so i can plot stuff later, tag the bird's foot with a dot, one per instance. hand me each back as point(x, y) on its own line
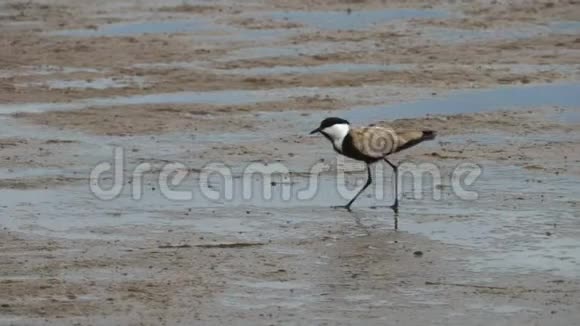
point(347, 207)
point(395, 208)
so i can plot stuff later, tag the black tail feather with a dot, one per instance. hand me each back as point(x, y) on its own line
point(429, 134)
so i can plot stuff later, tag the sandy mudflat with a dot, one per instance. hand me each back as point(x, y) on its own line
point(237, 84)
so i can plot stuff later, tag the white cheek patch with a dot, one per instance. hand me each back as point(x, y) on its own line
point(337, 131)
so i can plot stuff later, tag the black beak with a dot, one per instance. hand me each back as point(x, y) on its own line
point(315, 131)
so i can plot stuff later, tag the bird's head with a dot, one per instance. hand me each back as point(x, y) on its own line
point(333, 128)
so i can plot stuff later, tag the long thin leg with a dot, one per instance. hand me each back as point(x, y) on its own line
point(395, 206)
point(369, 181)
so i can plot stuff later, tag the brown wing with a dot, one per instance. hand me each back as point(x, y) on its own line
point(374, 142)
point(409, 138)
point(378, 142)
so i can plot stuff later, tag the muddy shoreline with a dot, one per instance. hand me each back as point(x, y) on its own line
point(242, 83)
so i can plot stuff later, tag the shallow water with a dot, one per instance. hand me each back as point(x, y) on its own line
point(513, 235)
point(563, 95)
point(224, 97)
point(564, 27)
point(98, 83)
point(504, 235)
point(456, 35)
point(510, 97)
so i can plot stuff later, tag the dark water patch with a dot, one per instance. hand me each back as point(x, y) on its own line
point(457, 35)
point(563, 95)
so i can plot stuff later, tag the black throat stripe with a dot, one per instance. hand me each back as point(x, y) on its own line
point(349, 150)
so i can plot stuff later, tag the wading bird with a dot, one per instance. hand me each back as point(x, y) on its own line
point(370, 144)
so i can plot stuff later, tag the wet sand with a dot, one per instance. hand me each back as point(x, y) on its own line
point(244, 83)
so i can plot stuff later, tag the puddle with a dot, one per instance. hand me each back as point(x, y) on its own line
point(225, 97)
point(342, 20)
point(325, 68)
point(506, 236)
point(76, 223)
point(503, 237)
point(456, 35)
point(563, 95)
point(558, 256)
point(501, 309)
point(288, 294)
point(74, 212)
point(565, 27)
point(145, 27)
point(98, 83)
